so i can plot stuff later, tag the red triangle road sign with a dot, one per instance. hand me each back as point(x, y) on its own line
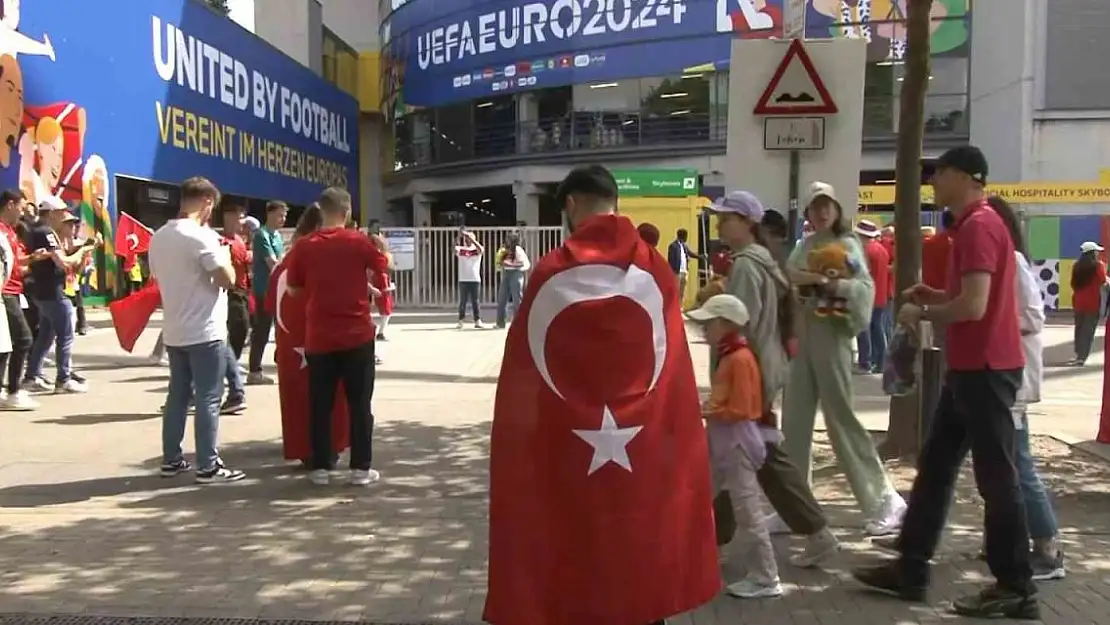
point(796, 88)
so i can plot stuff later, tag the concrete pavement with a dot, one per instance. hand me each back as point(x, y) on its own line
point(86, 528)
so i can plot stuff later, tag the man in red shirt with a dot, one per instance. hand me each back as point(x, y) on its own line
point(12, 396)
point(238, 298)
point(872, 341)
point(985, 360)
point(331, 267)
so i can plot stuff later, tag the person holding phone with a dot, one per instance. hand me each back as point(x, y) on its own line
point(56, 313)
point(469, 253)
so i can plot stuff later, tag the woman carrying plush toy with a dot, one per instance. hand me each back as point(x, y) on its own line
point(822, 371)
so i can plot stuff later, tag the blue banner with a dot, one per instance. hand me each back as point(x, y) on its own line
point(449, 50)
point(162, 90)
point(441, 51)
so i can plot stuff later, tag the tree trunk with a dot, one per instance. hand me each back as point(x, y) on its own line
point(903, 436)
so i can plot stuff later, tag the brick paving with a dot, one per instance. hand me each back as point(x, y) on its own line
point(87, 529)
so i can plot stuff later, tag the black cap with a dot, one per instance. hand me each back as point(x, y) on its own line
point(592, 180)
point(968, 159)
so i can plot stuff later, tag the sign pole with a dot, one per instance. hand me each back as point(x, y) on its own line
point(792, 212)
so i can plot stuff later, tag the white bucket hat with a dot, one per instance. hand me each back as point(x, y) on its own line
point(722, 306)
point(821, 189)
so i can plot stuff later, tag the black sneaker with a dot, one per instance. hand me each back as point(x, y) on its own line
point(175, 468)
point(998, 602)
point(888, 578)
point(381, 337)
point(233, 406)
point(1047, 568)
point(219, 474)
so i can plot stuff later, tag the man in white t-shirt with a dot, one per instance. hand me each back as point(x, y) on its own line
point(193, 270)
point(469, 253)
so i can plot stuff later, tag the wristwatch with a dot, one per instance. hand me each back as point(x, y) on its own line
point(824, 281)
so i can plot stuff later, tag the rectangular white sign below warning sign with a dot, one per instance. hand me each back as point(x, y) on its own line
point(796, 88)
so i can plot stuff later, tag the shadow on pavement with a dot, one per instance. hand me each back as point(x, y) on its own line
point(99, 419)
point(412, 548)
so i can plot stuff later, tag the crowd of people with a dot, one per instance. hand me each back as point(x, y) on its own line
point(215, 289)
point(624, 510)
point(44, 264)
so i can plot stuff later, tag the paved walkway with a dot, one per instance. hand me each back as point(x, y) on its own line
point(86, 527)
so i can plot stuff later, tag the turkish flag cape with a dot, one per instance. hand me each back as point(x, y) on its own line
point(131, 314)
point(621, 533)
point(1104, 420)
point(132, 238)
point(289, 327)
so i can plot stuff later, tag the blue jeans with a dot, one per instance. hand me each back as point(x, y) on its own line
point(872, 341)
point(1039, 511)
point(509, 294)
point(233, 376)
point(197, 375)
point(55, 328)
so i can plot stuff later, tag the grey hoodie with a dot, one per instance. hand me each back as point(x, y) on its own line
point(758, 281)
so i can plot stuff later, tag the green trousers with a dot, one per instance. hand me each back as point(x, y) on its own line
point(822, 373)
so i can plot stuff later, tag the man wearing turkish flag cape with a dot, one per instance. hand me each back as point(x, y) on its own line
point(600, 496)
point(288, 311)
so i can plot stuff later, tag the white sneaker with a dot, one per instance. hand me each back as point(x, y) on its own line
point(889, 520)
point(459, 325)
point(20, 401)
point(259, 379)
point(748, 588)
point(72, 387)
point(319, 477)
point(819, 548)
point(38, 385)
point(364, 478)
point(159, 360)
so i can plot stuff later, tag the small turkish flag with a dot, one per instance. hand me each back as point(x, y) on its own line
point(131, 314)
point(600, 496)
point(132, 238)
point(289, 315)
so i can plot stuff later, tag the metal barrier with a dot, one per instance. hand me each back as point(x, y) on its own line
point(426, 268)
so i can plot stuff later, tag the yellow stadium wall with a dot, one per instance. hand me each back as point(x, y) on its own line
point(667, 214)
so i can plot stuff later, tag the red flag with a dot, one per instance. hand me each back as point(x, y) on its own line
point(131, 314)
point(600, 496)
point(132, 238)
point(289, 328)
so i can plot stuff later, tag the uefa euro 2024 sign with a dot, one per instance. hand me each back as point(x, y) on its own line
point(537, 23)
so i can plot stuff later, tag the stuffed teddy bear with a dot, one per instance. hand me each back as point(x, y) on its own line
point(834, 262)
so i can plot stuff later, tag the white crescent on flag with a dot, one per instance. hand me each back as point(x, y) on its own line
point(282, 288)
point(586, 283)
point(132, 242)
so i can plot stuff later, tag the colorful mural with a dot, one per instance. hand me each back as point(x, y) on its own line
point(880, 22)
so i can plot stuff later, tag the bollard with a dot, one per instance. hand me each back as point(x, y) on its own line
point(930, 385)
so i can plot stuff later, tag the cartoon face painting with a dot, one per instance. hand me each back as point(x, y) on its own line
point(50, 144)
point(11, 107)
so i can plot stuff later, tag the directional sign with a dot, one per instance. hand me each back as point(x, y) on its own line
point(796, 88)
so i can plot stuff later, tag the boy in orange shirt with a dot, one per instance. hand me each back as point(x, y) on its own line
point(737, 440)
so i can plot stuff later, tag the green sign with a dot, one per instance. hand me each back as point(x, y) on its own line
point(656, 182)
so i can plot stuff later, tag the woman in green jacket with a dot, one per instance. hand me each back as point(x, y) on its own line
point(833, 312)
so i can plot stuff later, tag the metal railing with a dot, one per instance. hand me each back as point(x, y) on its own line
point(946, 116)
point(427, 276)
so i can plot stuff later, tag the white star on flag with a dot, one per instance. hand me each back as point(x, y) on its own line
point(300, 352)
point(610, 442)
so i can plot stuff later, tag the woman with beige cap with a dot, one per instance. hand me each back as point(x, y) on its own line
point(821, 373)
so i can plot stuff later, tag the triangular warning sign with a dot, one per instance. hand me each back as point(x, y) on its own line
point(796, 88)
